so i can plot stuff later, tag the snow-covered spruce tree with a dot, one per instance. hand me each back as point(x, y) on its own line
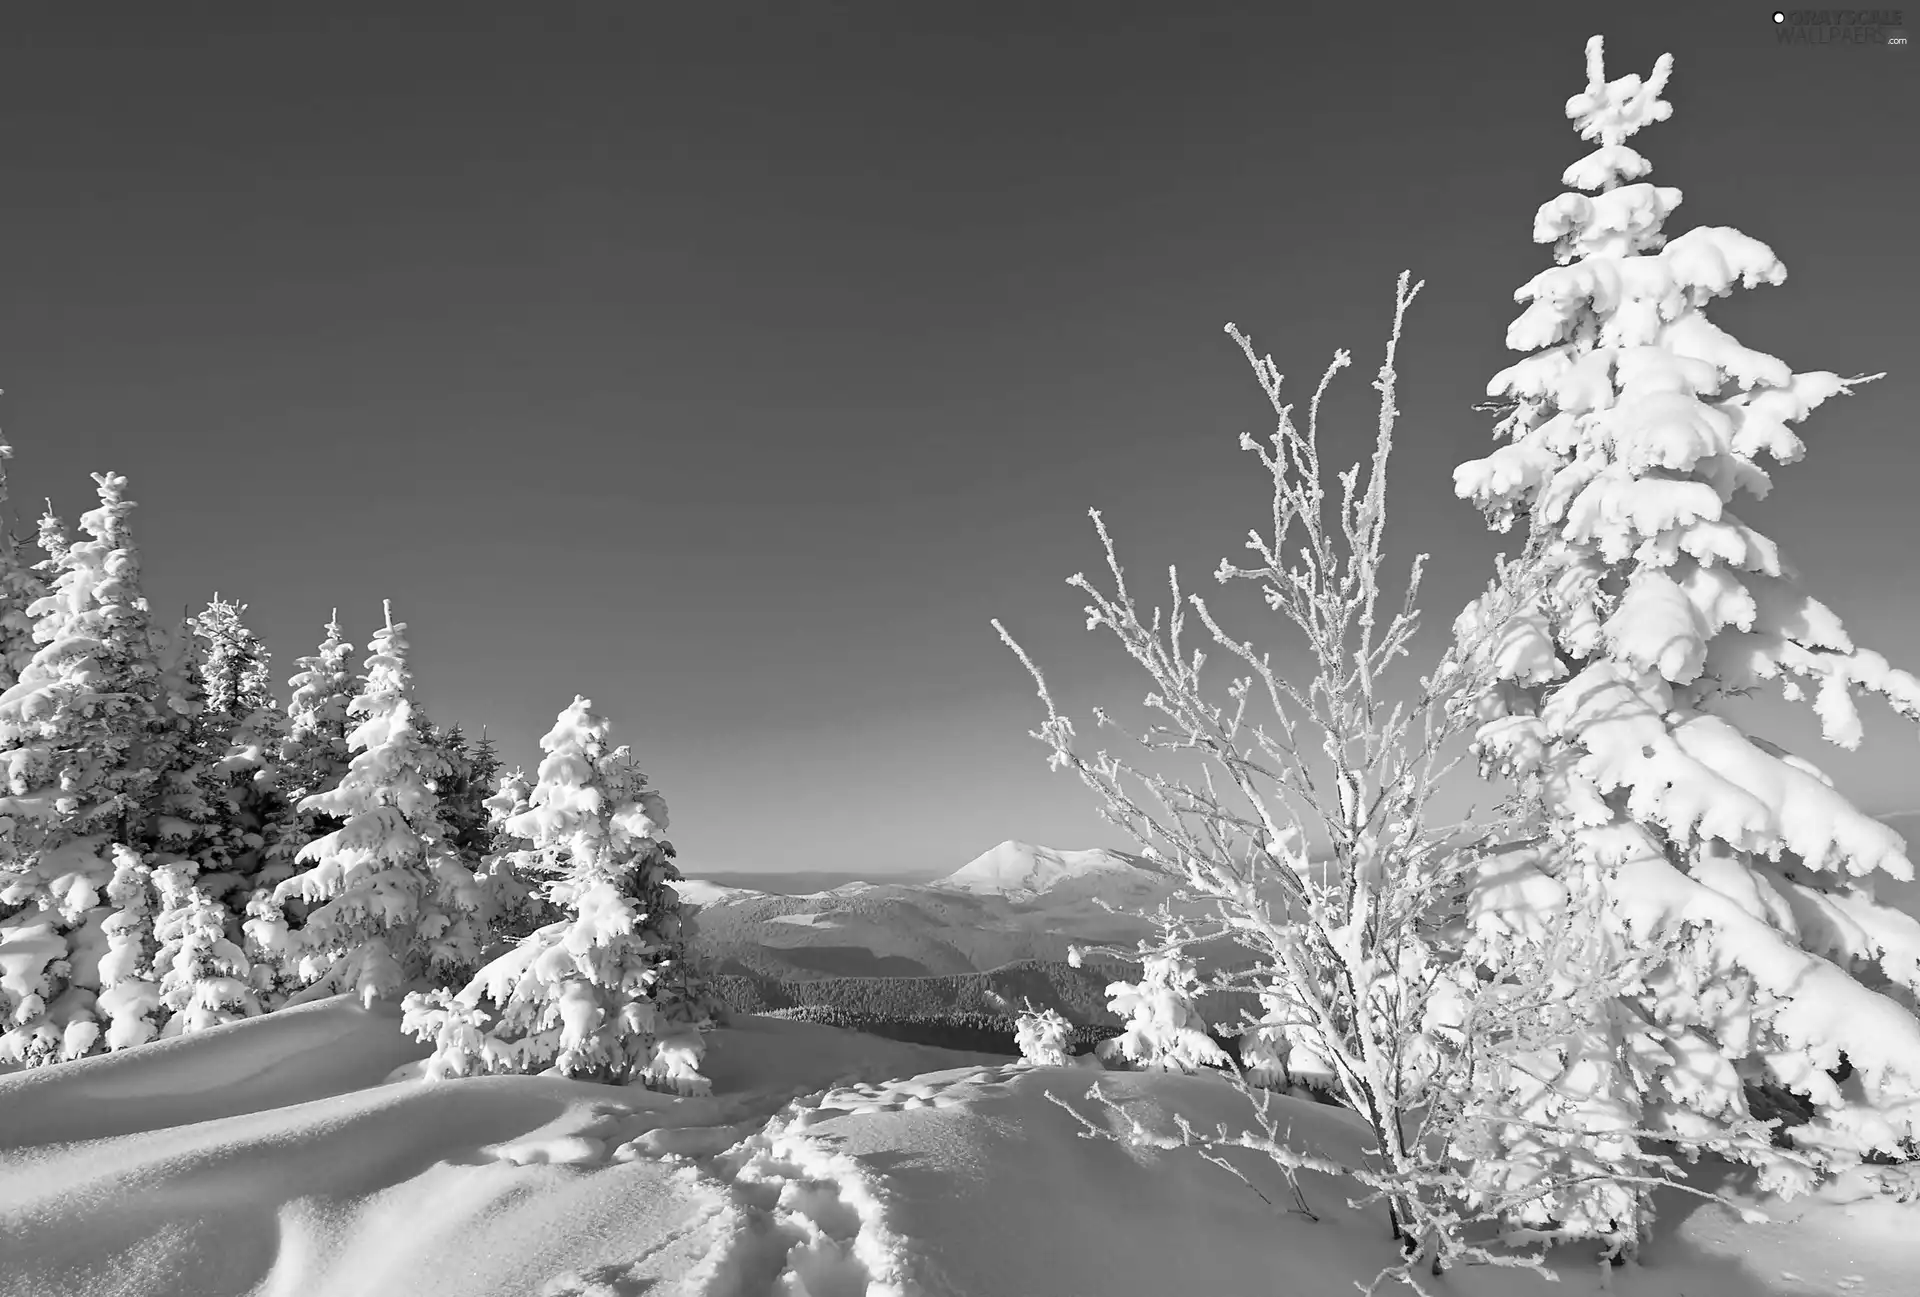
point(469, 784)
point(472, 781)
point(129, 999)
point(463, 797)
point(474, 813)
point(311, 757)
point(585, 996)
point(36, 965)
point(75, 732)
point(314, 754)
point(178, 837)
point(1164, 1031)
point(516, 905)
point(204, 978)
point(240, 732)
point(511, 798)
point(1633, 424)
point(1277, 1054)
point(234, 663)
point(181, 835)
point(1357, 954)
point(252, 804)
point(20, 586)
point(390, 907)
point(201, 850)
point(683, 987)
point(1041, 1035)
point(486, 773)
point(183, 820)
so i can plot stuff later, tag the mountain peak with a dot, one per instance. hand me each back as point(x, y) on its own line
point(1014, 868)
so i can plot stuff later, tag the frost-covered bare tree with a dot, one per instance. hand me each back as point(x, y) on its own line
point(1363, 955)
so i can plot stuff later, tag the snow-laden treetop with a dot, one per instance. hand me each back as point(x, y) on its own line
point(1636, 420)
point(566, 807)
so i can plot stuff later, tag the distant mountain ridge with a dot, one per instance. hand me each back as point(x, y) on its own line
point(1015, 902)
point(802, 882)
point(978, 940)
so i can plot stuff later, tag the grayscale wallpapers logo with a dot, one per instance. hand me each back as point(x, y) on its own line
point(1841, 26)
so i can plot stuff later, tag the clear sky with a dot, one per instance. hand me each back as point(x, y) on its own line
point(734, 364)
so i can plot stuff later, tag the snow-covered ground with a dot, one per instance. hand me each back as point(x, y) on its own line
point(275, 1156)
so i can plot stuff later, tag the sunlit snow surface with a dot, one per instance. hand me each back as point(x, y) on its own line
point(273, 1156)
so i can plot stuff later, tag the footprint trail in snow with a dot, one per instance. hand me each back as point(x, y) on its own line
point(788, 1215)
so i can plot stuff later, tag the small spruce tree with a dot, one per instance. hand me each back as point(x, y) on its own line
point(204, 978)
point(471, 781)
point(595, 996)
point(235, 663)
point(1041, 1035)
point(129, 995)
point(1164, 1030)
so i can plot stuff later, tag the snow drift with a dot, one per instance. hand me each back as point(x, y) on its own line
point(273, 1157)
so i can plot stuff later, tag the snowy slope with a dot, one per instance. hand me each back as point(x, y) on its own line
point(267, 1158)
point(698, 891)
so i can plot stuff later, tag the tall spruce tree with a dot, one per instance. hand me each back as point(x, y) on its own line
point(20, 587)
point(313, 754)
point(240, 735)
point(183, 820)
point(390, 906)
point(75, 737)
point(1633, 425)
point(310, 756)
